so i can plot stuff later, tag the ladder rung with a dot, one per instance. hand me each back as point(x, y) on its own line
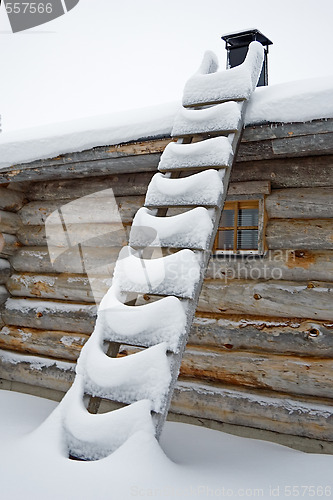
point(221, 119)
point(149, 324)
point(143, 375)
point(203, 188)
point(175, 274)
point(190, 229)
point(97, 436)
point(211, 153)
point(212, 87)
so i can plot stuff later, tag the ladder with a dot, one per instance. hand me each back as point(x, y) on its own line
point(169, 248)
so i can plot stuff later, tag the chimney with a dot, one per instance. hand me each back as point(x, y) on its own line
point(237, 45)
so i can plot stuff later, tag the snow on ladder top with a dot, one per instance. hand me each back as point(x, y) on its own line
point(209, 87)
point(215, 152)
point(143, 375)
point(204, 188)
point(223, 118)
point(145, 325)
point(190, 229)
point(175, 274)
point(92, 437)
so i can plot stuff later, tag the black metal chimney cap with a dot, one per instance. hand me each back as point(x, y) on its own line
point(244, 38)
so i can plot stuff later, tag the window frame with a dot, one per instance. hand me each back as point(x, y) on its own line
point(237, 203)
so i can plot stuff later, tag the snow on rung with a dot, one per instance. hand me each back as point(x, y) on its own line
point(175, 274)
point(204, 188)
point(233, 84)
point(222, 118)
point(92, 437)
point(215, 152)
point(143, 375)
point(145, 325)
point(190, 229)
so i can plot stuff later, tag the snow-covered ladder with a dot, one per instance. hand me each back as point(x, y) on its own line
point(208, 128)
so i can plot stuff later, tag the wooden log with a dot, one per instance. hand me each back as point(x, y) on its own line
point(32, 236)
point(287, 147)
point(263, 335)
point(112, 152)
point(268, 298)
point(248, 188)
point(260, 409)
point(11, 201)
point(91, 235)
point(300, 234)
point(134, 184)
point(9, 244)
point(314, 171)
point(4, 271)
point(54, 344)
point(36, 213)
point(275, 372)
point(69, 287)
point(255, 133)
point(294, 265)
point(3, 294)
point(99, 261)
point(118, 165)
point(300, 203)
point(9, 222)
point(37, 371)
point(49, 315)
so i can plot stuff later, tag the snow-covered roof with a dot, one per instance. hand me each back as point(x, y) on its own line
point(298, 101)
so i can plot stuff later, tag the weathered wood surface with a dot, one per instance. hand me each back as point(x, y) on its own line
point(254, 133)
point(116, 165)
point(295, 265)
point(35, 213)
point(268, 298)
point(301, 416)
point(3, 294)
point(134, 184)
point(68, 287)
point(49, 315)
point(249, 188)
point(91, 235)
point(54, 344)
point(9, 222)
point(275, 372)
point(99, 261)
point(264, 335)
point(314, 171)
point(41, 372)
point(304, 145)
point(275, 412)
point(4, 271)
point(11, 201)
point(315, 234)
point(300, 203)
point(9, 244)
point(112, 152)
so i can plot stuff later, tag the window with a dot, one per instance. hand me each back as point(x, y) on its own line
point(241, 228)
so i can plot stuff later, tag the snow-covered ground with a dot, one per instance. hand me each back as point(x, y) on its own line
point(297, 101)
point(192, 462)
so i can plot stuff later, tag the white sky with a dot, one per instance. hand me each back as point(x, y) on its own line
point(109, 55)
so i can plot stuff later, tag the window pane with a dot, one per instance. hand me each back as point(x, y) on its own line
point(247, 239)
point(227, 219)
point(225, 240)
point(248, 217)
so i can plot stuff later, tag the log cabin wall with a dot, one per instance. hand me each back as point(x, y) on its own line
point(260, 354)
